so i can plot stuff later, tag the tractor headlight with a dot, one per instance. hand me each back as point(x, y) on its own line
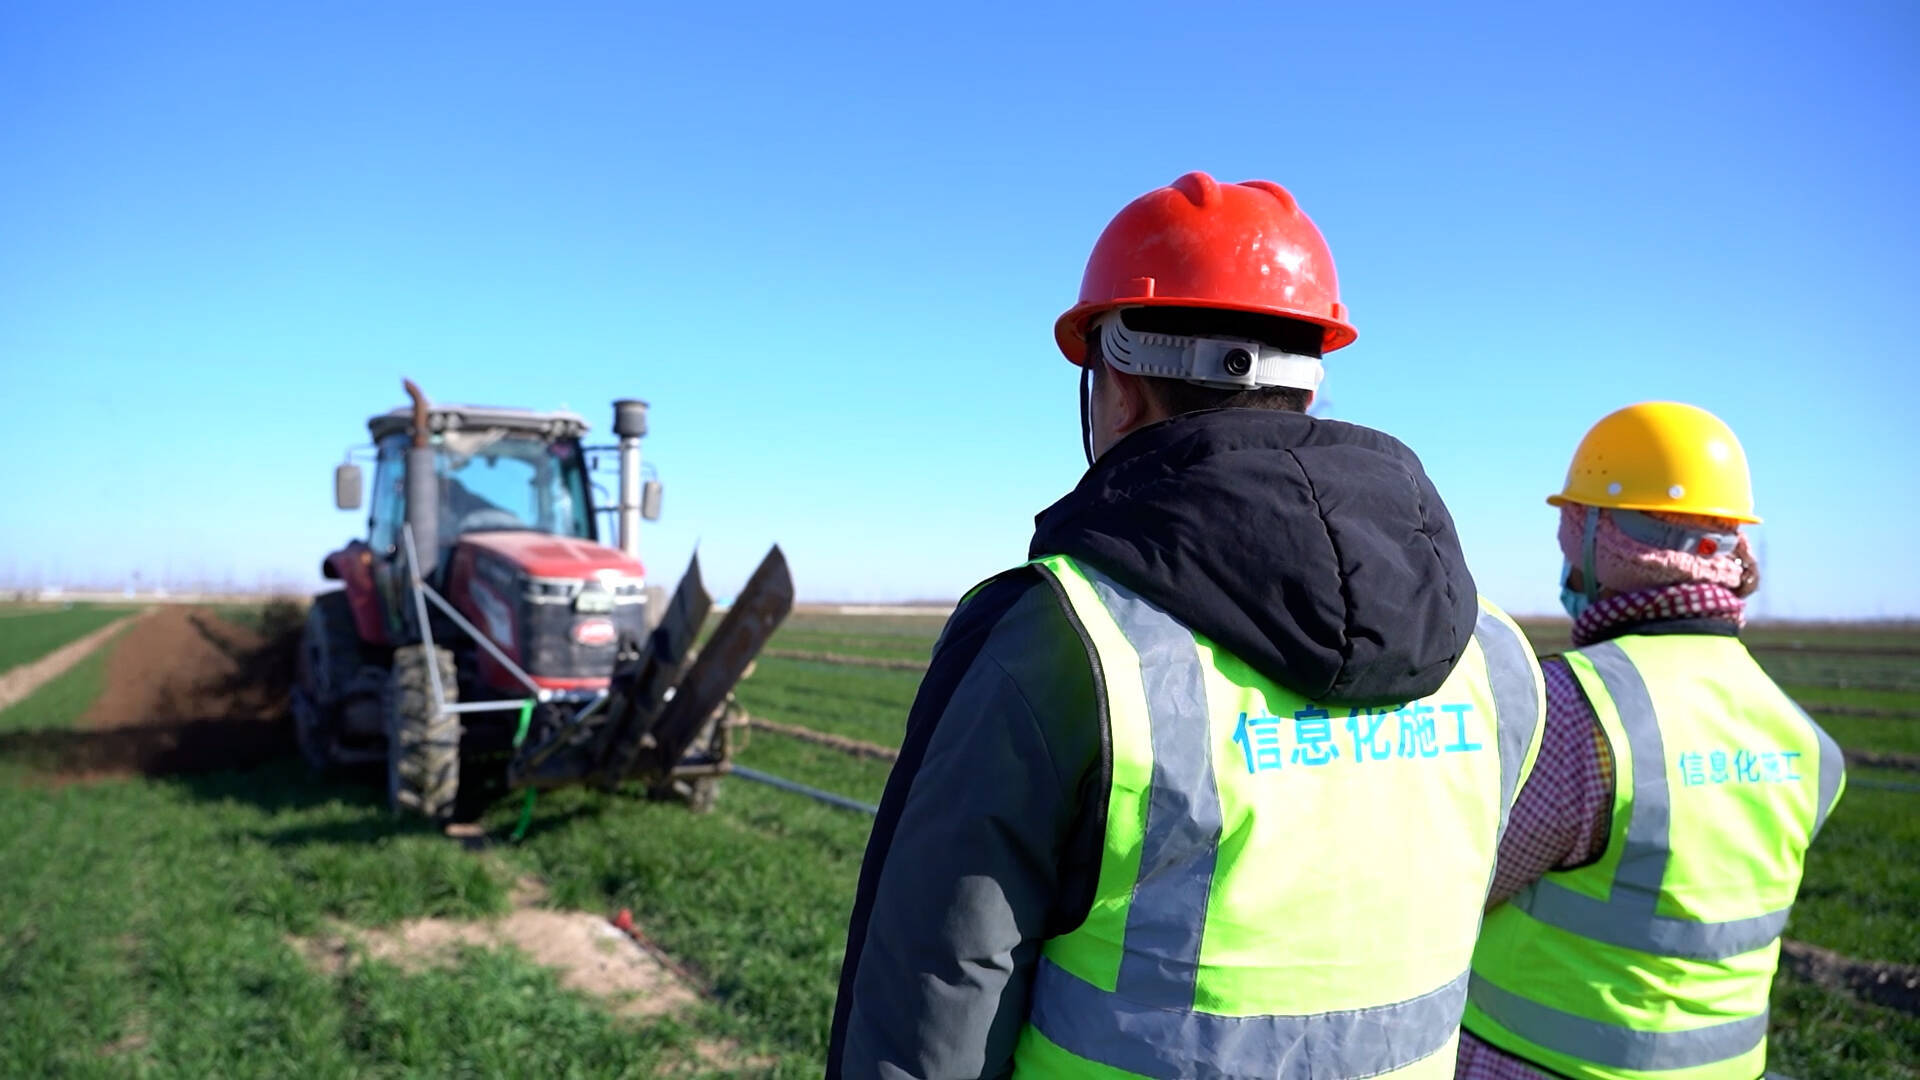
point(626, 589)
point(551, 590)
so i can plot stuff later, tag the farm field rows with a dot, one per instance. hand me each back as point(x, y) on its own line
point(159, 920)
point(30, 632)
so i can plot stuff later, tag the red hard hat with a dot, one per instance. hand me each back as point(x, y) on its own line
point(1201, 243)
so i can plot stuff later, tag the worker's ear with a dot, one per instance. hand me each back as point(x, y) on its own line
point(1133, 406)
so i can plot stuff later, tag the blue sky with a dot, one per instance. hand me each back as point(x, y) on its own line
point(828, 245)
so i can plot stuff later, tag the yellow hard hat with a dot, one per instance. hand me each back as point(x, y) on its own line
point(1661, 455)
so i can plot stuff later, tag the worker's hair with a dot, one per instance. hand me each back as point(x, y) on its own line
point(1177, 396)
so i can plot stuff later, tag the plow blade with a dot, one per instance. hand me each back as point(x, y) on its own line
point(703, 692)
point(643, 682)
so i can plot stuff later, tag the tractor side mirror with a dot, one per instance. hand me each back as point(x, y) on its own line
point(650, 500)
point(346, 486)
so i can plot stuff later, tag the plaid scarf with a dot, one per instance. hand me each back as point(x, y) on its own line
point(1611, 617)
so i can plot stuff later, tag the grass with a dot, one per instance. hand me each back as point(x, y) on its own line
point(1818, 1034)
point(818, 766)
point(144, 927)
point(1865, 635)
point(61, 701)
point(32, 635)
point(1812, 697)
point(921, 627)
point(1863, 875)
point(1844, 672)
point(879, 646)
point(144, 924)
point(753, 897)
point(862, 703)
point(1870, 733)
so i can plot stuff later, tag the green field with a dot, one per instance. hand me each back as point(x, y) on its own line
point(30, 632)
point(60, 701)
point(152, 926)
point(863, 703)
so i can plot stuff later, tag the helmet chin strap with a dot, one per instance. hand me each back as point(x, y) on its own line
point(1590, 582)
point(1086, 412)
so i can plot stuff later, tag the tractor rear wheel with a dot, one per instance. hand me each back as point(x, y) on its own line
point(328, 660)
point(423, 744)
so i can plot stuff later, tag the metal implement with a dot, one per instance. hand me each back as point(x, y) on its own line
point(707, 686)
point(644, 677)
point(783, 784)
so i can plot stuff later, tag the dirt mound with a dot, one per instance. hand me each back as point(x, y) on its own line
point(589, 954)
point(185, 691)
point(841, 743)
point(1897, 986)
point(182, 666)
point(1887, 759)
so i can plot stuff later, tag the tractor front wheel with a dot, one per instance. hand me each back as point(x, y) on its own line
point(423, 743)
point(328, 659)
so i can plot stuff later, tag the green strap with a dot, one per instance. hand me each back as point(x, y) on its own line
point(526, 718)
point(526, 817)
point(520, 736)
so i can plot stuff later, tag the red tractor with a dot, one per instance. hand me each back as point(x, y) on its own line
point(482, 626)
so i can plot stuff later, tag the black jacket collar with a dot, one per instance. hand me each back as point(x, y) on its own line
point(1316, 551)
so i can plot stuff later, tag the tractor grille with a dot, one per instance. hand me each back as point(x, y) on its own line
point(553, 648)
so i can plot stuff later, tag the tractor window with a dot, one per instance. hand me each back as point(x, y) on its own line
point(493, 480)
point(387, 508)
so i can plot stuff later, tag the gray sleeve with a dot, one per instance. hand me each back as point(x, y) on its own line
point(973, 870)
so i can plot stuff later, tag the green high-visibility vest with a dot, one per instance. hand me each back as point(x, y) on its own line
point(1656, 960)
point(1286, 890)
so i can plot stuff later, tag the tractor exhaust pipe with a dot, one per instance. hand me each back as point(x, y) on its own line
point(423, 487)
point(630, 423)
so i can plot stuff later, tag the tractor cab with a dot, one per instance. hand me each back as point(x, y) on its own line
point(504, 494)
point(494, 470)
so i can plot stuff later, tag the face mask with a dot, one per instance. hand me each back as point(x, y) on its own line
point(1576, 601)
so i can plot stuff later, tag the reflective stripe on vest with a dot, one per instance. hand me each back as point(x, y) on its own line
point(1599, 971)
point(1517, 693)
point(1627, 917)
point(1148, 1025)
point(1180, 1042)
point(1183, 810)
point(1611, 1044)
